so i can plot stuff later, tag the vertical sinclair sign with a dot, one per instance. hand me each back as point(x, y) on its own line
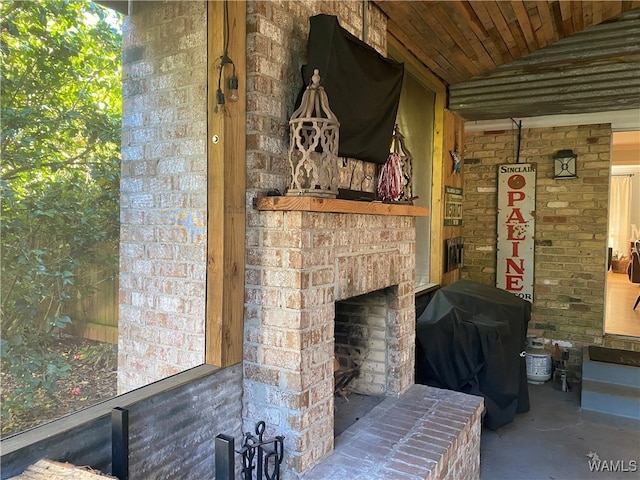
point(516, 228)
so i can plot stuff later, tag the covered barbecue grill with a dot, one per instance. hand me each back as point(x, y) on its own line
point(470, 338)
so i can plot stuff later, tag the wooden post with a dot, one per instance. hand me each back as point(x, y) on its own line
point(226, 149)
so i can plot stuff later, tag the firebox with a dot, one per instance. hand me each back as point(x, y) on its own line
point(361, 344)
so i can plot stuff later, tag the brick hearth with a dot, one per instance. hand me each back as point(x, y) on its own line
point(426, 433)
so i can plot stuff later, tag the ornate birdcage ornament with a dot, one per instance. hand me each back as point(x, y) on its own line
point(313, 146)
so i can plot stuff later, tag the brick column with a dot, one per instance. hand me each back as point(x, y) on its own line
point(298, 265)
point(163, 206)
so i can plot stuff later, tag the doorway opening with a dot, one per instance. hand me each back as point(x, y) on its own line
point(624, 229)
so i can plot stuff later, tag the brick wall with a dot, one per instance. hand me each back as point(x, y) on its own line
point(276, 51)
point(164, 192)
point(571, 225)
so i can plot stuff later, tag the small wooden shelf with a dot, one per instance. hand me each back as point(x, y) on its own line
point(333, 205)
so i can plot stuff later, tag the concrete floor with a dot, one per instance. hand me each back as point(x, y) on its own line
point(555, 438)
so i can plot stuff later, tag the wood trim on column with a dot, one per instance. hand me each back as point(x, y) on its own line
point(226, 148)
point(436, 263)
point(452, 135)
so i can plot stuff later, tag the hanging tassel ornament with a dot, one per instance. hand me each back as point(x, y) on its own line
point(390, 179)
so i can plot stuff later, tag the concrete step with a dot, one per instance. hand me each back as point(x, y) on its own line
point(610, 388)
point(609, 372)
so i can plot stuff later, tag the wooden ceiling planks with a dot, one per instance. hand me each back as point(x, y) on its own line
point(465, 13)
point(411, 29)
point(536, 23)
point(525, 25)
point(587, 15)
point(504, 31)
point(611, 8)
point(455, 58)
point(597, 13)
point(509, 15)
point(462, 39)
point(458, 40)
point(577, 17)
point(400, 33)
point(548, 21)
point(566, 18)
point(493, 31)
point(465, 39)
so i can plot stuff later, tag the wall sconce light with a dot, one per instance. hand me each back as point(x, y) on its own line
point(233, 88)
point(564, 164)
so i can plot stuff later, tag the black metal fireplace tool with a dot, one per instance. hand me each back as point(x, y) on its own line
point(259, 456)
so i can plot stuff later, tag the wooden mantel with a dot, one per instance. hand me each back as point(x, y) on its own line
point(333, 205)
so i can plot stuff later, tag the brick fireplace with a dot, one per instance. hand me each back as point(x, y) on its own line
point(305, 255)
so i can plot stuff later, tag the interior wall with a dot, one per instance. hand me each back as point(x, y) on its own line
point(626, 161)
point(453, 138)
point(635, 201)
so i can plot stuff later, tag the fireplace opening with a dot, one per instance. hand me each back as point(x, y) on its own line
point(360, 356)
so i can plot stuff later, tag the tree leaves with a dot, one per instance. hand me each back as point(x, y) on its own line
point(61, 74)
point(61, 104)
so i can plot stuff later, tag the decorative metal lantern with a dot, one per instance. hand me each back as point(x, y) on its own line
point(313, 146)
point(564, 164)
point(394, 179)
point(399, 147)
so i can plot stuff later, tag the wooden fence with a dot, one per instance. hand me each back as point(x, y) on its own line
point(95, 315)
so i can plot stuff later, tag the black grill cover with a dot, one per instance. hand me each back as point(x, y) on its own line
point(469, 339)
point(363, 88)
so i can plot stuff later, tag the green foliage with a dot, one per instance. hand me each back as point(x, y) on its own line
point(61, 105)
point(99, 355)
